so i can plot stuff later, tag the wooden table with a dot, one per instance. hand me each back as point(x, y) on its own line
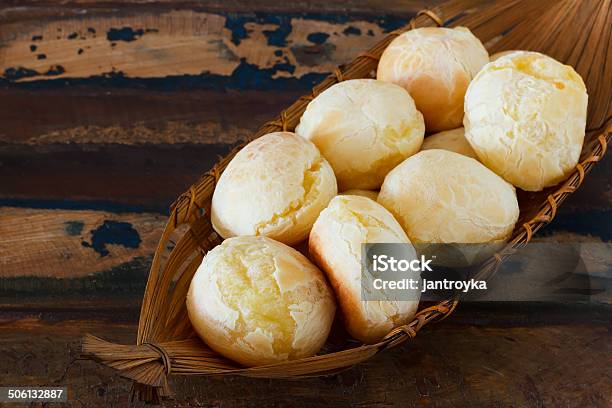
point(521, 355)
point(108, 111)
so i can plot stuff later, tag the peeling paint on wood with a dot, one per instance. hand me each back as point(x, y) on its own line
point(74, 228)
point(213, 46)
point(114, 112)
point(112, 232)
point(50, 253)
point(72, 244)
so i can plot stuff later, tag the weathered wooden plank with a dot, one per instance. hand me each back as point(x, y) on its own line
point(216, 46)
point(57, 170)
point(135, 116)
point(72, 244)
point(558, 266)
point(495, 355)
point(90, 114)
point(57, 152)
point(147, 178)
point(271, 6)
point(122, 281)
point(81, 254)
point(63, 253)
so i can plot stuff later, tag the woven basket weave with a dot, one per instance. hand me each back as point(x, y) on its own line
point(575, 32)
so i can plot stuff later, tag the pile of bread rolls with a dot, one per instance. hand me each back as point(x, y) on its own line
point(517, 120)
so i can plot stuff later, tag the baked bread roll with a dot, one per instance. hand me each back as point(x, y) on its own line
point(364, 128)
point(371, 194)
point(435, 65)
point(451, 140)
point(500, 54)
point(335, 244)
point(442, 197)
point(275, 186)
point(525, 117)
point(257, 301)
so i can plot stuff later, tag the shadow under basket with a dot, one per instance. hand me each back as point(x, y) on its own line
point(574, 32)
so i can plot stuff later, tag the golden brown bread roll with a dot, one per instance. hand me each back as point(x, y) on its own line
point(435, 65)
point(500, 54)
point(451, 140)
point(442, 197)
point(364, 193)
point(364, 128)
point(525, 117)
point(335, 244)
point(257, 301)
point(275, 186)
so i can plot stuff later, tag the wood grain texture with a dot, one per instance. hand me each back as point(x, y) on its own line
point(166, 94)
point(96, 140)
point(60, 243)
point(66, 254)
point(134, 116)
point(176, 43)
point(145, 178)
point(81, 254)
point(132, 142)
point(554, 267)
point(86, 148)
point(495, 355)
point(149, 178)
point(352, 6)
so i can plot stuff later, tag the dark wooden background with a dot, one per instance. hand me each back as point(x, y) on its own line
point(109, 110)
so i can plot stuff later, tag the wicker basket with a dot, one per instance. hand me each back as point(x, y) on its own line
point(166, 342)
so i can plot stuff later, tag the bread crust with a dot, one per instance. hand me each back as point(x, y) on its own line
point(368, 321)
point(258, 301)
point(276, 186)
point(525, 117)
point(435, 65)
point(452, 140)
point(442, 197)
point(364, 128)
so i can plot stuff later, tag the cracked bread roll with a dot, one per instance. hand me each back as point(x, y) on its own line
point(335, 245)
point(372, 194)
point(451, 140)
point(435, 65)
point(525, 117)
point(364, 128)
point(258, 301)
point(442, 197)
point(275, 186)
